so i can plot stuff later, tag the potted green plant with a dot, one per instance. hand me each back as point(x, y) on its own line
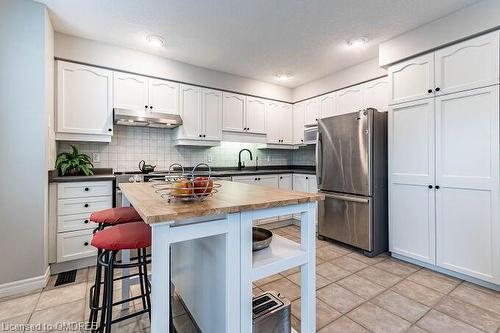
point(74, 164)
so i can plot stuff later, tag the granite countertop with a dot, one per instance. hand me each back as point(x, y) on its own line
point(100, 174)
point(230, 198)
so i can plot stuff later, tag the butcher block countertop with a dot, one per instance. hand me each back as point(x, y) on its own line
point(232, 197)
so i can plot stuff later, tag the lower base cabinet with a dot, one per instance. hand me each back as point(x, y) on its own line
point(75, 245)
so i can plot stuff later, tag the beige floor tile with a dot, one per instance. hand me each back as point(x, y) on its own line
point(339, 298)
point(439, 282)
point(321, 243)
point(13, 324)
point(417, 292)
point(331, 271)
point(341, 248)
point(320, 281)
point(59, 296)
point(397, 267)
point(267, 280)
point(177, 308)
point(367, 260)
point(378, 320)
point(349, 264)
point(437, 322)
point(325, 314)
point(183, 324)
point(482, 289)
point(295, 323)
point(343, 325)
point(64, 313)
point(361, 286)
point(402, 306)
point(256, 291)
point(477, 297)
point(18, 306)
point(328, 253)
point(379, 276)
point(285, 287)
point(290, 271)
point(416, 329)
point(480, 318)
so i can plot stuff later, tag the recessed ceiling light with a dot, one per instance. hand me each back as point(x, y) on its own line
point(283, 76)
point(357, 42)
point(156, 41)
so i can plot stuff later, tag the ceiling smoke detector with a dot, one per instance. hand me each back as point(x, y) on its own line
point(357, 42)
point(156, 41)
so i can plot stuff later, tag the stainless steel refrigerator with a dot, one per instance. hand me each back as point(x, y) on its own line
point(351, 153)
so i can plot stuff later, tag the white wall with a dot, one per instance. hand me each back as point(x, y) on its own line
point(23, 130)
point(469, 21)
point(347, 77)
point(102, 54)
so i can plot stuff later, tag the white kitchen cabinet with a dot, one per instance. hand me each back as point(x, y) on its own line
point(298, 123)
point(376, 94)
point(285, 182)
point(84, 103)
point(75, 245)
point(350, 100)
point(467, 65)
point(255, 115)
point(328, 105)
point(201, 112)
point(304, 183)
point(262, 180)
point(412, 79)
point(130, 91)
point(411, 172)
point(312, 111)
point(233, 112)
point(163, 96)
point(467, 173)
point(279, 116)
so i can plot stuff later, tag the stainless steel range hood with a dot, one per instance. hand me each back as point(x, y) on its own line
point(145, 118)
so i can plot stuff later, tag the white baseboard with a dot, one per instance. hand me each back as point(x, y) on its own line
point(25, 286)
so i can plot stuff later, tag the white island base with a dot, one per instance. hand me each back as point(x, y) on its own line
point(213, 265)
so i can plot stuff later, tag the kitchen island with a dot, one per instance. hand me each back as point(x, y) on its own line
point(213, 264)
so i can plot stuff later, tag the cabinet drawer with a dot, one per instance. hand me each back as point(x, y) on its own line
point(83, 205)
point(74, 222)
point(84, 189)
point(74, 245)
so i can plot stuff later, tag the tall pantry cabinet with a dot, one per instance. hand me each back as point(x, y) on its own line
point(444, 149)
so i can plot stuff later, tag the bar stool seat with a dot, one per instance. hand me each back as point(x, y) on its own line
point(116, 215)
point(129, 236)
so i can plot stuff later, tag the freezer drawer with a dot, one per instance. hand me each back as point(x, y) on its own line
point(347, 219)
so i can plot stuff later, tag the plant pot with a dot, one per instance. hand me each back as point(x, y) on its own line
point(74, 172)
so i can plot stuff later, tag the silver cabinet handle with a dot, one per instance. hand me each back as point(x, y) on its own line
point(346, 198)
point(319, 159)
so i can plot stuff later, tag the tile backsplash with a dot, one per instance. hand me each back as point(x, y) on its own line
point(129, 145)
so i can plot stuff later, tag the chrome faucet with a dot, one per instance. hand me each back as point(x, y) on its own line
point(242, 165)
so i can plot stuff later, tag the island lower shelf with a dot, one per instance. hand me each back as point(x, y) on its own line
point(281, 255)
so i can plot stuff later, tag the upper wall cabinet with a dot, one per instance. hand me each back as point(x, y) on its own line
point(328, 105)
point(233, 112)
point(350, 100)
point(298, 123)
point(280, 116)
point(255, 115)
point(467, 65)
point(136, 92)
point(84, 103)
point(312, 111)
point(376, 94)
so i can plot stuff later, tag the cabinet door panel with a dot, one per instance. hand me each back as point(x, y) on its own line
point(130, 91)
point(471, 64)
point(164, 96)
point(233, 112)
point(286, 123)
point(411, 79)
point(411, 171)
point(300, 183)
point(467, 171)
point(268, 181)
point(273, 118)
point(84, 99)
point(312, 111)
point(350, 100)
point(190, 107)
point(298, 123)
point(327, 105)
point(376, 94)
point(256, 115)
point(285, 182)
point(212, 114)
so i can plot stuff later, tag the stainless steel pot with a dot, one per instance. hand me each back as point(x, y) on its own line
point(261, 238)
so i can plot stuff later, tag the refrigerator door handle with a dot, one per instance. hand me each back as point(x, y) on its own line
point(319, 159)
point(345, 198)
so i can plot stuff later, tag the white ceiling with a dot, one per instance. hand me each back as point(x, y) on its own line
point(252, 38)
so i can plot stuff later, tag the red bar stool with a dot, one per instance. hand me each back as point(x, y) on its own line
point(129, 236)
point(113, 216)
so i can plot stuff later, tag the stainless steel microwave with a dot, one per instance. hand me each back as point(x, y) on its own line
point(310, 135)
